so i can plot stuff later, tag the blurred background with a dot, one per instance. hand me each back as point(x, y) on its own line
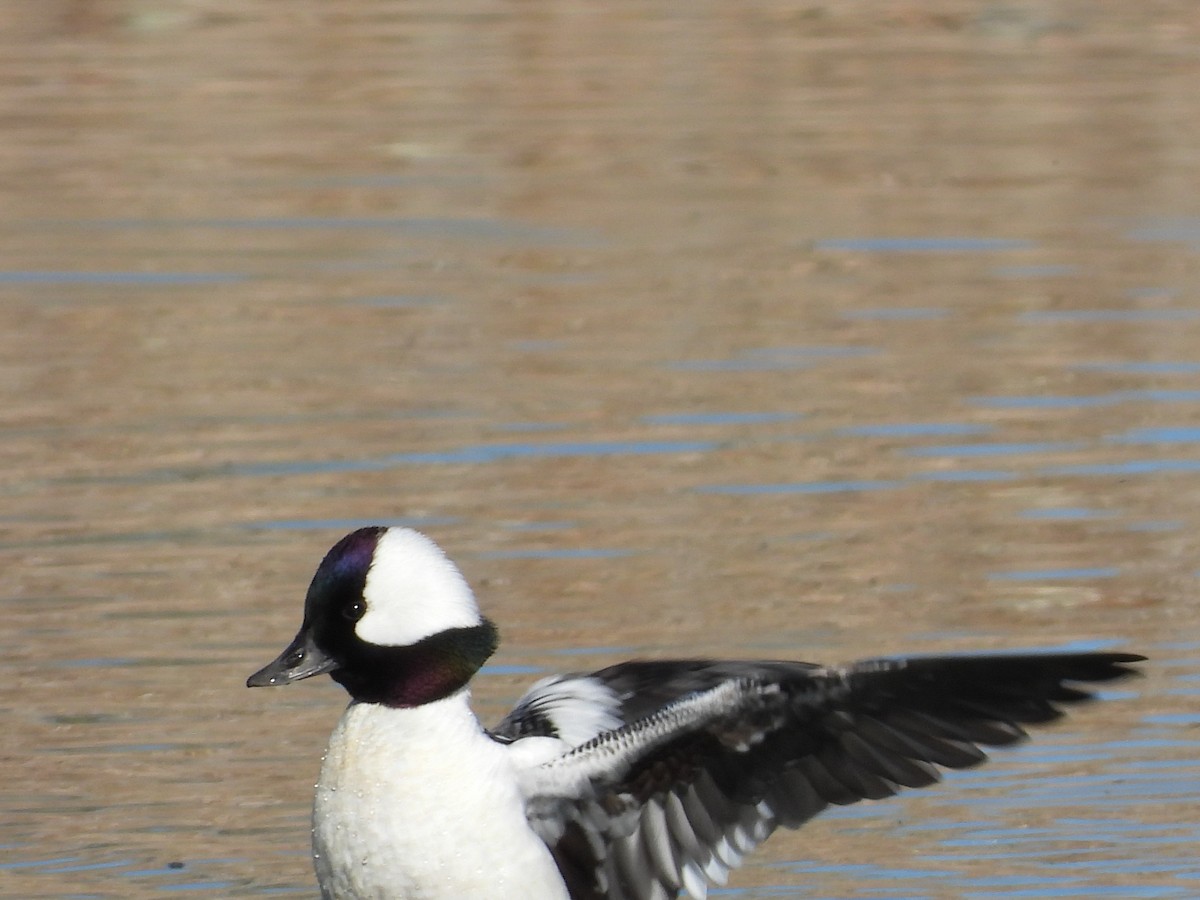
point(755, 328)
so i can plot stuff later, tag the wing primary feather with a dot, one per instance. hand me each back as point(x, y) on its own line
point(681, 829)
point(861, 783)
point(740, 840)
point(696, 808)
point(828, 788)
point(764, 822)
point(952, 754)
point(727, 852)
point(632, 867)
point(795, 801)
point(923, 723)
point(656, 835)
point(694, 881)
point(715, 870)
point(903, 770)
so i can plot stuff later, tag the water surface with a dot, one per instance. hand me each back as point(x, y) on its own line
point(747, 329)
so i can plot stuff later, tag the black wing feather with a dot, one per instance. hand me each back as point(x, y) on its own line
point(797, 738)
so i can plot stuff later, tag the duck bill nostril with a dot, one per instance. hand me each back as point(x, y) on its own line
point(301, 659)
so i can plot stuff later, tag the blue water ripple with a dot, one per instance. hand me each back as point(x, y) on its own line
point(510, 669)
point(802, 487)
point(89, 867)
point(1183, 231)
point(1132, 467)
point(1085, 401)
point(966, 475)
point(770, 359)
point(1110, 315)
point(1142, 368)
point(916, 429)
point(993, 449)
point(1178, 434)
point(1051, 270)
point(921, 244)
point(37, 863)
point(721, 418)
point(1055, 574)
point(1063, 513)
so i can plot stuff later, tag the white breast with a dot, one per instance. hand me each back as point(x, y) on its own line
point(420, 804)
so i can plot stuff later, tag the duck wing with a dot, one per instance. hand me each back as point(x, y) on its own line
point(686, 766)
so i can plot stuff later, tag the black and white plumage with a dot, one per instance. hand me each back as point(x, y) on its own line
point(641, 781)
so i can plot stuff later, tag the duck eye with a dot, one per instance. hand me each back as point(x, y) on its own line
point(354, 610)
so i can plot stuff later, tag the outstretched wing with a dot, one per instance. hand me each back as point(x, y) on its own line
point(579, 707)
point(673, 799)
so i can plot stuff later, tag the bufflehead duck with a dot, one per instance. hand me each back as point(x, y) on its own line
point(637, 782)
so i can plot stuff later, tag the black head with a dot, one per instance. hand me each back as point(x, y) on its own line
point(390, 619)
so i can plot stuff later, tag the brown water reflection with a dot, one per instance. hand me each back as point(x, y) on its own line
point(596, 294)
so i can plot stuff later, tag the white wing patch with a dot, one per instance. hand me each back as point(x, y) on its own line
point(577, 709)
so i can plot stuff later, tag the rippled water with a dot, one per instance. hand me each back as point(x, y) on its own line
point(756, 329)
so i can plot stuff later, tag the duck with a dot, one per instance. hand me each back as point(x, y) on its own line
point(650, 779)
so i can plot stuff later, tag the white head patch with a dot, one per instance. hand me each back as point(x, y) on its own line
point(413, 591)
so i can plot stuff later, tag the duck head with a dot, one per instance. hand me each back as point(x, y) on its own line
point(388, 617)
